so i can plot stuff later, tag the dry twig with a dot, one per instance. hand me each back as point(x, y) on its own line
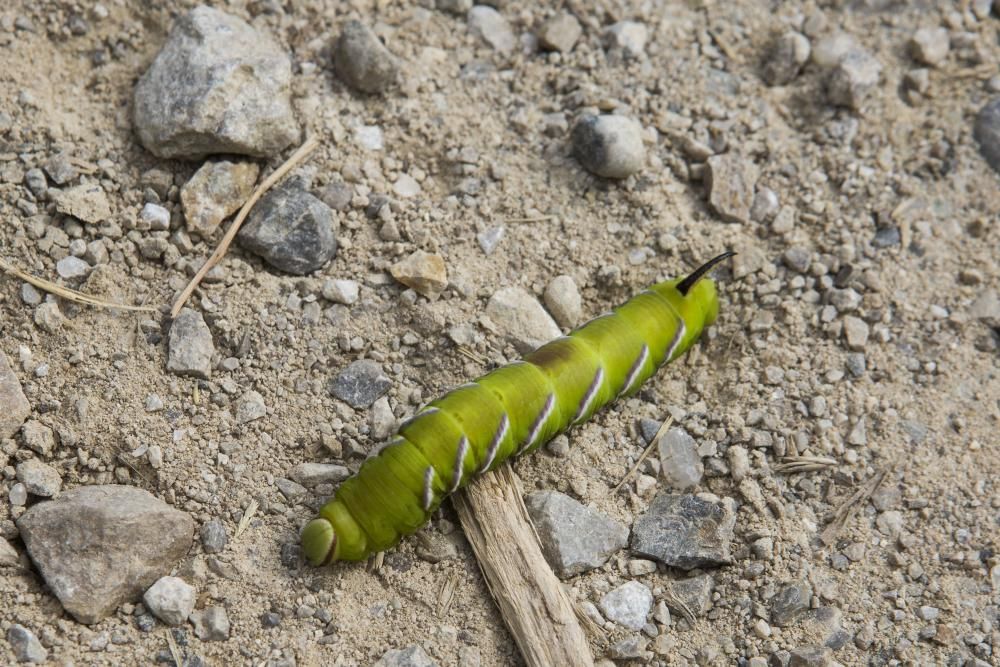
point(224, 244)
point(247, 517)
point(793, 464)
point(66, 293)
point(447, 594)
point(844, 513)
point(664, 427)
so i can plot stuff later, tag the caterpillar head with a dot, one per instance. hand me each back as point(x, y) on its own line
point(319, 541)
point(703, 291)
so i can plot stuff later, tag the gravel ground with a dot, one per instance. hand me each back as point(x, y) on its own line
point(473, 163)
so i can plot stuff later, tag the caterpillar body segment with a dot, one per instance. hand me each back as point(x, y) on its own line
point(508, 412)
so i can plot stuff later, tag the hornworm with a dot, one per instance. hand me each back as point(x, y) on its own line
point(508, 412)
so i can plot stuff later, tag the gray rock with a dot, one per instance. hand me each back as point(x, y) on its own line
point(627, 38)
point(49, 317)
point(86, 202)
point(679, 460)
point(987, 132)
point(454, 6)
point(291, 230)
point(38, 437)
point(789, 603)
point(629, 648)
point(25, 644)
point(154, 217)
point(686, 531)
point(406, 187)
point(730, 179)
point(213, 536)
point(609, 146)
point(490, 26)
point(490, 238)
point(788, 54)
point(853, 79)
point(423, 271)
point(337, 195)
point(434, 547)
point(211, 624)
point(824, 624)
point(35, 180)
point(811, 656)
point(341, 291)
point(217, 86)
point(574, 537)
point(8, 554)
point(311, 474)
point(39, 478)
point(695, 593)
point(986, 307)
point(190, 347)
point(520, 318)
point(765, 205)
point(99, 546)
point(563, 300)
point(72, 268)
point(831, 49)
point(628, 605)
point(930, 46)
point(170, 599)
point(60, 169)
point(383, 421)
point(560, 33)
point(360, 383)
point(856, 364)
point(15, 405)
point(18, 495)
point(362, 61)
point(250, 407)
point(30, 295)
point(292, 491)
point(215, 192)
point(855, 332)
point(411, 656)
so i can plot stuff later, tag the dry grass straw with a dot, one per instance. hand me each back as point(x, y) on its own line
point(66, 293)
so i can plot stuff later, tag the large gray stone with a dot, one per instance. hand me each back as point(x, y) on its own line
point(521, 318)
point(190, 347)
point(574, 537)
point(99, 546)
point(25, 644)
point(217, 86)
point(291, 230)
point(686, 531)
point(170, 599)
point(628, 605)
point(15, 406)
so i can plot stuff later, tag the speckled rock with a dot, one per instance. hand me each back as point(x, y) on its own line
point(25, 644)
point(38, 437)
point(360, 383)
point(311, 474)
point(695, 592)
point(560, 33)
point(217, 86)
point(99, 546)
point(362, 61)
point(291, 230)
point(170, 599)
point(574, 537)
point(39, 478)
point(679, 460)
point(211, 624)
point(411, 656)
point(789, 603)
point(730, 179)
point(86, 202)
point(215, 192)
point(16, 406)
point(788, 54)
point(250, 407)
point(213, 536)
point(521, 318)
point(686, 531)
point(853, 79)
point(628, 605)
point(490, 26)
point(562, 298)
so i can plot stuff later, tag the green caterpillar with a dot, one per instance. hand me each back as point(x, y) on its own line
point(508, 412)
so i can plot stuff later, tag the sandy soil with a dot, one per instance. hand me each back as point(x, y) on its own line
point(929, 395)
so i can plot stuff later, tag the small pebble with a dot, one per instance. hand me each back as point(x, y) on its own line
point(71, 268)
point(214, 537)
point(628, 605)
point(563, 300)
point(424, 272)
point(490, 26)
point(609, 146)
point(490, 238)
point(788, 54)
point(25, 645)
point(154, 217)
point(40, 479)
point(560, 33)
point(853, 79)
point(341, 291)
point(626, 37)
point(730, 180)
point(170, 599)
point(363, 62)
point(930, 46)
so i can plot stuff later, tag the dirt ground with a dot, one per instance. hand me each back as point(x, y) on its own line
point(774, 370)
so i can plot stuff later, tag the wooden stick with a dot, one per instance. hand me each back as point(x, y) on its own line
point(533, 603)
point(224, 244)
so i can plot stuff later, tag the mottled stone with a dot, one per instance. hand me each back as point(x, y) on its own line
point(362, 61)
point(609, 146)
point(562, 298)
point(411, 656)
point(730, 179)
point(170, 599)
point(789, 603)
point(520, 318)
point(16, 407)
point(214, 537)
point(574, 537)
point(686, 531)
point(99, 546)
point(216, 191)
point(25, 644)
point(490, 26)
point(987, 132)
point(39, 478)
point(217, 86)
point(853, 79)
point(360, 383)
point(628, 605)
point(424, 272)
point(190, 347)
point(312, 474)
point(560, 33)
point(695, 593)
point(930, 46)
point(86, 202)
point(38, 437)
point(627, 38)
point(787, 56)
point(291, 230)
point(250, 407)
point(680, 463)
point(211, 624)
point(341, 291)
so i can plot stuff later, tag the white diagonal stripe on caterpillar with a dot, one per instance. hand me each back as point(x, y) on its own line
point(539, 423)
point(588, 398)
point(636, 370)
point(456, 477)
point(498, 437)
point(678, 337)
point(428, 488)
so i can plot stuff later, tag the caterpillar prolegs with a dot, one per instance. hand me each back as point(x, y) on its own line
point(508, 412)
